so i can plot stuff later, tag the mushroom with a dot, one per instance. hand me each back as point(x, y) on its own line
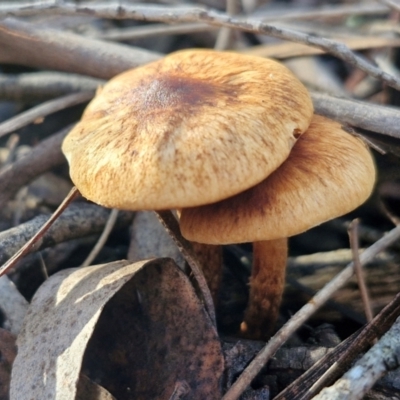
point(328, 173)
point(190, 129)
point(193, 128)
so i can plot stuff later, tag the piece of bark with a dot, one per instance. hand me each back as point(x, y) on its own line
point(138, 329)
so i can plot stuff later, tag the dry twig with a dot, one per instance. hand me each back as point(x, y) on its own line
point(29, 44)
point(35, 86)
point(385, 120)
point(331, 11)
point(30, 244)
point(78, 220)
point(22, 9)
point(43, 110)
point(353, 235)
point(108, 227)
point(224, 36)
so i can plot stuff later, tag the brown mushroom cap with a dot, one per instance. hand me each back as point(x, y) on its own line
point(328, 173)
point(190, 129)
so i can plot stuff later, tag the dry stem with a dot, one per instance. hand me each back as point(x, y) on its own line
point(358, 269)
point(108, 227)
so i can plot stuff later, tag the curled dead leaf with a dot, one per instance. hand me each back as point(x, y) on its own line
point(136, 329)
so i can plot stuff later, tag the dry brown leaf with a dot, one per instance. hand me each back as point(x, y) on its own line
point(147, 332)
point(154, 339)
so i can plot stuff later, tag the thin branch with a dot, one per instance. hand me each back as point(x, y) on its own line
point(43, 157)
point(30, 244)
point(303, 314)
point(224, 36)
point(35, 86)
point(23, 9)
point(79, 220)
point(366, 233)
point(32, 45)
point(153, 13)
point(330, 12)
point(334, 305)
point(389, 214)
point(111, 220)
point(324, 259)
point(385, 120)
point(358, 269)
point(43, 266)
point(43, 110)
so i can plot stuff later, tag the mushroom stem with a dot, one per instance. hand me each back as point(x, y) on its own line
point(266, 287)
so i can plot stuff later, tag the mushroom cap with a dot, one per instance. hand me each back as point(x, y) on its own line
point(328, 173)
point(190, 129)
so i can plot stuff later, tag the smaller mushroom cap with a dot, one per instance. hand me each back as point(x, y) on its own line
point(190, 129)
point(328, 173)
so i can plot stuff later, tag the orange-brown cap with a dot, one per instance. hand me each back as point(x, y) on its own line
point(190, 129)
point(328, 173)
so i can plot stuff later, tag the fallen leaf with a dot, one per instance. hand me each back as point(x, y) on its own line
point(138, 329)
